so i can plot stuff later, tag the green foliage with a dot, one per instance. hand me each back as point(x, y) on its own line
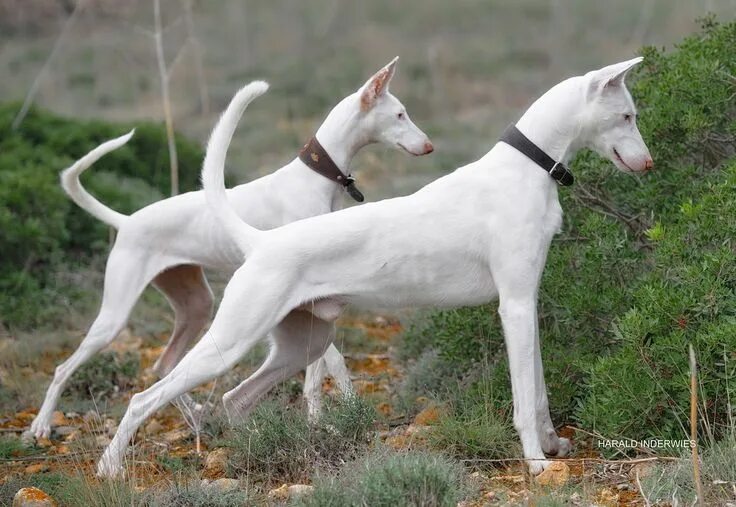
point(42, 228)
point(11, 447)
point(194, 494)
point(642, 266)
point(391, 479)
point(691, 90)
point(104, 374)
point(280, 443)
point(689, 297)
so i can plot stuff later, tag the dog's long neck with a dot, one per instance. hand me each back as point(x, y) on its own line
point(341, 134)
point(553, 122)
point(342, 137)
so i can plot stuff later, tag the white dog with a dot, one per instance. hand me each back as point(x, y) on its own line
point(169, 242)
point(478, 233)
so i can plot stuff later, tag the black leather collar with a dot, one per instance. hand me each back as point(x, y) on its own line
point(317, 159)
point(557, 170)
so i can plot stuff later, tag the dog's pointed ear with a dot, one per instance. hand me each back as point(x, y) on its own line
point(377, 85)
point(612, 76)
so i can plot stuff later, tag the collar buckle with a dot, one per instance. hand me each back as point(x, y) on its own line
point(556, 167)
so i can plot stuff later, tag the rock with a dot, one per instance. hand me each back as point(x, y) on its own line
point(280, 493)
point(298, 490)
point(215, 464)
point(556, 474)
point(154, 427)
point(44, 442)
point(102, 440)
point(221, 485)
point(59, 419)
point(176, 435)
point(32, 497)
point(607, 498)
point(37, 468)
point(64, 431)
point(428, 416)
point(74, 435)
point(286, 492)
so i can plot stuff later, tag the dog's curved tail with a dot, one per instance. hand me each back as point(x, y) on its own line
point(72, 186)
point(213, 169)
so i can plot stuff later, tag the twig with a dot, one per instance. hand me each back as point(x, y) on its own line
point(164, 78)
point(641, 491)
point(578, 460)
point(28, 101)
point(204, 100)
point(694, 424)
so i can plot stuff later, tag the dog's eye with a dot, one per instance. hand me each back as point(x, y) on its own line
point(628, 117)
point(400, 116)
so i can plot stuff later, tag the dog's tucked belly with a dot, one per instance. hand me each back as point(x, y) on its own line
point(449, 287)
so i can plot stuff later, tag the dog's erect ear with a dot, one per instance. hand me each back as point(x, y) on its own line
point(377, 85)
point(612, 76)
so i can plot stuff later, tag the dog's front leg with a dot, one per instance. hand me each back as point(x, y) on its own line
point(518, 315)
point(551, 443)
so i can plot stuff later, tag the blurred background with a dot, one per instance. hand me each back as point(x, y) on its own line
point(467, 67)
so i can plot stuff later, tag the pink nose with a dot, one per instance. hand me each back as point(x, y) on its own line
point(428, 148)
point(649, 164)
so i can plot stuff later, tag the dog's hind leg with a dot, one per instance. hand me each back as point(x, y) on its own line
point(188, 292)
point(296, 342)
point(331, 363)
point(254, 303)
point(125, 278)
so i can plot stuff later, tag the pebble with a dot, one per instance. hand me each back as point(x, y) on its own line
point(221, 485)
point(556, 474)
point(64, 431)
point(36, 468)
point(32, 497)
point(286, 492)
point(154, 427)
point(215, 464)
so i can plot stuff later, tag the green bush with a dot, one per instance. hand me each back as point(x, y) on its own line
point(637, 259)
point(391, 479)
point(41, 227)
point(103, 375)
point(279, 443)
point(642, 389)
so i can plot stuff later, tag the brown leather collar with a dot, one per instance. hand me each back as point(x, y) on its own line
point(317, 159)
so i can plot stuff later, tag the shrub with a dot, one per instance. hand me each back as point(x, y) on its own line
point(279, 442)
point(194, 494)
point(104, 374)
point(41, 226)
point(391, 479)
point(642, 389)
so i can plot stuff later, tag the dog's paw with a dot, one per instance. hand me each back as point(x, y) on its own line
point(40, 428)
point(538, 466)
